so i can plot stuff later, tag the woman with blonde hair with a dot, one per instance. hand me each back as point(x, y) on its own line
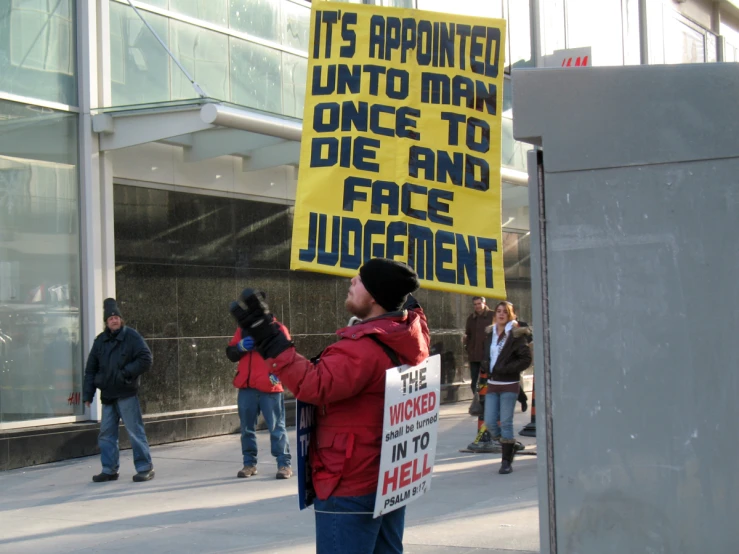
point(507, 354)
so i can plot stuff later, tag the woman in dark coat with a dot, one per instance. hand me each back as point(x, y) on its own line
point(507, 354)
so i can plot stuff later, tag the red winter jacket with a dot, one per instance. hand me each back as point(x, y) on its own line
point(252, 371)
point(347, 384)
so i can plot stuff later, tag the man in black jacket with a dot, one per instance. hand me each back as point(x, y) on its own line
point(118, 357)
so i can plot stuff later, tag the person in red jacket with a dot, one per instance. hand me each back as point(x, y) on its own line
point(259, 391)
point(347, 384)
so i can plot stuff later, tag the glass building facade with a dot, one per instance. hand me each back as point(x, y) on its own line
point(175, 226)
point(40, 292)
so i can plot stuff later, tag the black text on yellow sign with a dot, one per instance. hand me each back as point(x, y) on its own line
point(400, 155)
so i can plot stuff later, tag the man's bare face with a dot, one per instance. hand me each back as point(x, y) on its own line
point(358, 300)
point(114, 323)
point(479, 306)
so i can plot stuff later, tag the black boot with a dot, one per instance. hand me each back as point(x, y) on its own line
point(103, 477)
point(508, 453)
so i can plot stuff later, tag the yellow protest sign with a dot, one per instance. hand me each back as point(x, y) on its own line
point(400, 156)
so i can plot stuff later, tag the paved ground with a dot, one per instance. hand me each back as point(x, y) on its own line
point(196, 505)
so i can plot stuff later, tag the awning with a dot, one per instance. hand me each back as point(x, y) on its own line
point(204, 130)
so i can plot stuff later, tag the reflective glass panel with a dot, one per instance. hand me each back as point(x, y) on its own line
point(40, 354)
point(683, 43)
point(295, 25)
point(37, 49)
point(204, 54)
point(139, 64)
point(260, 18)
point(255, 76)
point(598, 25)
point(488, 8)
point(294, 75)
point(164, 4)
point(212, 11)
point(518, 52)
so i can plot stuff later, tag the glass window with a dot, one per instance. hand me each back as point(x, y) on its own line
point(255, 76)
point(675, 39)
point(598, 25)
point(632, 42)
point(40, 353)
point(294, 76)
point(490, 8)
point(37, 49)
point(139, 64)
point(552, 14)
point(731, 41)
point(164, 4)
point(204, 55)
point(212, 11)
point(295, 25)
point(259, 18)
point(513, 153)
point(518, 52)
point(683, 43)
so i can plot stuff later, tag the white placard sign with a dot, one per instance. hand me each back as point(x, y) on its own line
point(412, 397)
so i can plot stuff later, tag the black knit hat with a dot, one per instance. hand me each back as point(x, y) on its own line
point(110, 308)
point(389, 282)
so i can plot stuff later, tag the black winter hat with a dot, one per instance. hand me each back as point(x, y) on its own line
point(110, 308)
point(389, 282)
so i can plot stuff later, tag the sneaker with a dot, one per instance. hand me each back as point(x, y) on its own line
point(483, 446)
point(284, 472)
point(102, 477)
point(142, 476)
point(247, 471)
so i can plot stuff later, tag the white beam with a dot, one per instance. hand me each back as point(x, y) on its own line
point(223, 142)
point(134, 128)
point(285, 153)
point(180, 140)
point(514, 177)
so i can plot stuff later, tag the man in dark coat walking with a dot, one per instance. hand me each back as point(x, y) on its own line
point(119, 356)
point(474, 344)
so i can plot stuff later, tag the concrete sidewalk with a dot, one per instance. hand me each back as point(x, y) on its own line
point(197, 505)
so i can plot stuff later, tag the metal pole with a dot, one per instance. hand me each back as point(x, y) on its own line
point(546, 362)
point(643, 37)
point(535, 31)
point(194, 84)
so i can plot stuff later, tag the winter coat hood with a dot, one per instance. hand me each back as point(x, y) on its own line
point(517, 331)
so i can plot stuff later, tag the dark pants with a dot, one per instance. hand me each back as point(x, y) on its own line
point(344, 525)
point(474, 375)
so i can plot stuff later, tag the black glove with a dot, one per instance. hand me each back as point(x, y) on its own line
point(411, 303)
point(254, 317)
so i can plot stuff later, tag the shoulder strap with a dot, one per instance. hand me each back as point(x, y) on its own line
point(389, 351)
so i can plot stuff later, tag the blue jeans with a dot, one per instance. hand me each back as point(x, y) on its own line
point(499, 406)
point(272, 406)
point(128, 410)
point(344, 525)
